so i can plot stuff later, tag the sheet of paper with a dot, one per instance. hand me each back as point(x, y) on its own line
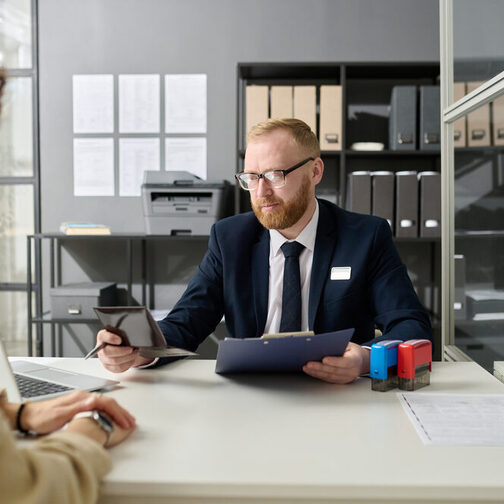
point(139, 98)
point(186, 103)
point(93, 165)
point(456, 419)
point(186, 154)
point(93, 103)
point(135, 156)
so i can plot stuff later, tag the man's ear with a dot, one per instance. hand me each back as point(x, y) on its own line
point(318, 170)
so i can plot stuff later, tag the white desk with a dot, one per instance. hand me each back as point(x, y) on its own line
point(287, 439)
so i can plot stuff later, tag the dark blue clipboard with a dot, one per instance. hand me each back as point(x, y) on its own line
point(287, 354)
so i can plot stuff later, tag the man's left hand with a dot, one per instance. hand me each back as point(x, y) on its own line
point(344, 369)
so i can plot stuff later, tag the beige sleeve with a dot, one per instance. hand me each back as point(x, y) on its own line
point(59, 468)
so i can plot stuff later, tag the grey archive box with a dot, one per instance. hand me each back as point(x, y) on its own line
point(76, 300)
point(358, 197)
point(403, 118)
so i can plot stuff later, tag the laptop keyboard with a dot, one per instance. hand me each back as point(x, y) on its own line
point(31, 387)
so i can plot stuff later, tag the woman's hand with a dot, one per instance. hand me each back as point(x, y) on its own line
point(47, 416)
point(88, 427)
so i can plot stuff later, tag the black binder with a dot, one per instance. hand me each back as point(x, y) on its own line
point(358, 197)
point(403, 118)
point(406, 204)
point(383, 195)
point(459, 304)
point(430, 118)
point(430, 203)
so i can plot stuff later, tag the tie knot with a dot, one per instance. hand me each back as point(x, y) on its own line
point(292, 249)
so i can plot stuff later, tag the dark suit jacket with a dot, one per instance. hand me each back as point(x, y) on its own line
point(233, 278)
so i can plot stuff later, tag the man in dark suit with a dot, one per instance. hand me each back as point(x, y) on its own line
point(294, 263)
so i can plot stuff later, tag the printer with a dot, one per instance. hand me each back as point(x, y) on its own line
point(179, 203)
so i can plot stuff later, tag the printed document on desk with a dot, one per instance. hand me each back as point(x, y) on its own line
point(287, 354)
point(456, 419)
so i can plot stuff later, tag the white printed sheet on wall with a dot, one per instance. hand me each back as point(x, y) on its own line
point(93, 166)
point(135, 156)
point(186, 103)
point(93, 103)
point(186, 154)
point(139, 98)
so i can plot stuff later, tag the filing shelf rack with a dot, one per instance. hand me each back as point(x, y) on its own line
point(363, 84)
point(56, 240)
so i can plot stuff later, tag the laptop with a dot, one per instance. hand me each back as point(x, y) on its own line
point(28, 380)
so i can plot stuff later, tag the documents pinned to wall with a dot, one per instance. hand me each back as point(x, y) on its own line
point(186, 154)
point(139, 102)
point(186, 103)
point(135, 156)
point(93, 166)
point(93, 103)
point(139, 113)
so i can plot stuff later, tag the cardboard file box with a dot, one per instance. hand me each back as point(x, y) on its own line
point(256, 105)
point(459, 126)
point(478, 122)
point(76, 300)
point(281, 102)
point(498, 121)
point(305, 105)
point(330, 118)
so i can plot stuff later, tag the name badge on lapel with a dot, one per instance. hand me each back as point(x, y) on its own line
point(341, 273)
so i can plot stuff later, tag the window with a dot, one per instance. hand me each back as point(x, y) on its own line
point(19, 213)
point(472, 98)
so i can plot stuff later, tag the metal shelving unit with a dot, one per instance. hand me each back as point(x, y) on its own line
point(39, 317)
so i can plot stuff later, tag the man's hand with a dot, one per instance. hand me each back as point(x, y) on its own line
point(47, 416)
point(118, 358)
point(345, 369)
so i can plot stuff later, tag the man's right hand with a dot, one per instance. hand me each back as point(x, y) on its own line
point(118, 358)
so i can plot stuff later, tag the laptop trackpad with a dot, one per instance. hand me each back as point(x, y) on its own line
point(67, 378)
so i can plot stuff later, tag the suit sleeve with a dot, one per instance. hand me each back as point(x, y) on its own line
point(397, 310)
point(201, 307)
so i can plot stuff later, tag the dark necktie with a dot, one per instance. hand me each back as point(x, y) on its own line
point(291, 296)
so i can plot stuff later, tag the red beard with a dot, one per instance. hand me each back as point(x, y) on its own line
point(286, 214)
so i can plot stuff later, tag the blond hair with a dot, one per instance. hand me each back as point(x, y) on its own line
point(301, 133)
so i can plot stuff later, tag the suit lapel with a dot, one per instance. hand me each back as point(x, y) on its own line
point(260, 279)
point(324, 247)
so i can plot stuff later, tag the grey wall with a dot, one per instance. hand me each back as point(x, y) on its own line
point(199, 36)
point(191, 36)
point(477, 29)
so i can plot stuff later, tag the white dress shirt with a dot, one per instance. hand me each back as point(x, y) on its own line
point(276, 271)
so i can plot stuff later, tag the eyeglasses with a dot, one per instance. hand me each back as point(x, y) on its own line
point(249, 181)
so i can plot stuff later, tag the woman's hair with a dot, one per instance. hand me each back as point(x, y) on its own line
point(299, 130)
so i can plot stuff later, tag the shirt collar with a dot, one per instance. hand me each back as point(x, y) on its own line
point(306, 237)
